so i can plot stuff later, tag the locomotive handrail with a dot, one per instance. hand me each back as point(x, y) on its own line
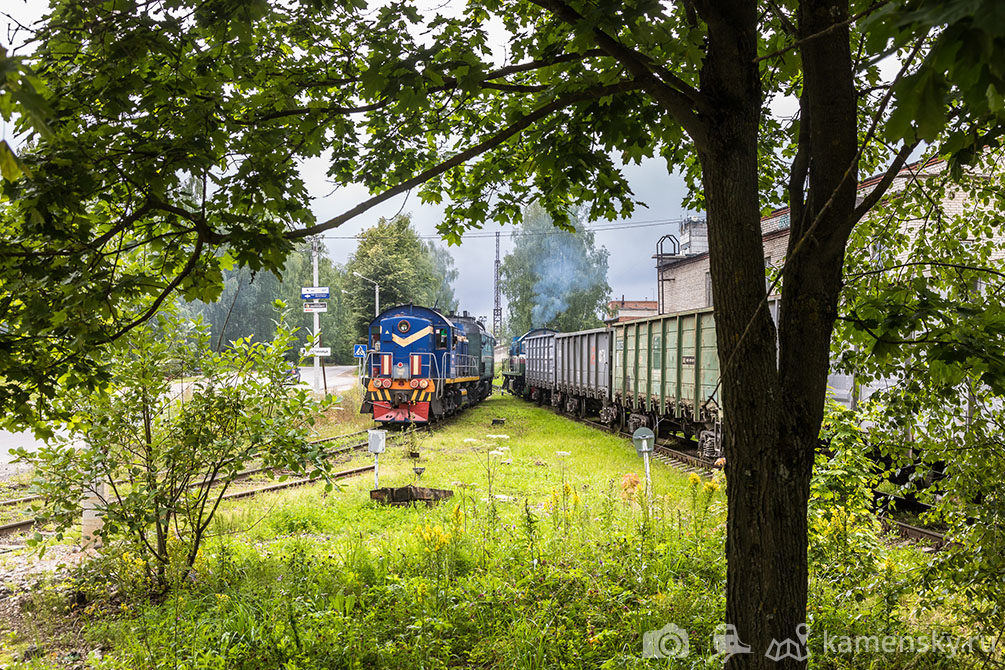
point(366, 369)
point(463, 365)
point(462, 369)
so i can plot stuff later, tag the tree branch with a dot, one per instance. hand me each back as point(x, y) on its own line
point(449, 84)
point(784, 20)
point(542, 63)
point(680, 98)
point(884, 184)
point(159, 300)
point(485, 145)
point(939, 264)
point(800, 168)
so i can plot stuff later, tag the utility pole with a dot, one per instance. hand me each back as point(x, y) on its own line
point(497, 309)
point(315, 249)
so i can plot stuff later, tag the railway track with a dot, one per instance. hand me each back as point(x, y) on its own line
point(13, 502)
point(23, 526)
point(668, 453)
point(26, 525)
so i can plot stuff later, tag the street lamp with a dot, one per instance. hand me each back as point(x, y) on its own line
point(376, 293)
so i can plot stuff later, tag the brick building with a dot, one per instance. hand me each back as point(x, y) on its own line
point(626, 310)
point(685, 282)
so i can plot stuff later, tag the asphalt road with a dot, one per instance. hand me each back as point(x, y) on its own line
point(339, 377)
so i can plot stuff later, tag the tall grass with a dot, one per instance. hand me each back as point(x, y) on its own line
point(539, 560)
point(344, 416)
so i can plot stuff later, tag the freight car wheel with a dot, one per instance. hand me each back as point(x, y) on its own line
point(619, 423)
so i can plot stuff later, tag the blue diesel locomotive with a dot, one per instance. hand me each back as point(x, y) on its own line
point(423, 365)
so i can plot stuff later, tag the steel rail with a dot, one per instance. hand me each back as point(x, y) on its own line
point(324, 440)
point(27, 524)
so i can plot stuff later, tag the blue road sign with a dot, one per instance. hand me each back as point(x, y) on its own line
point(359, 350)
point(315, 293)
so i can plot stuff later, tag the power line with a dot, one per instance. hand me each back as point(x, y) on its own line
point(514, 233)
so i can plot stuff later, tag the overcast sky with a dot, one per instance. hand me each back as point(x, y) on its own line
point(632, 270)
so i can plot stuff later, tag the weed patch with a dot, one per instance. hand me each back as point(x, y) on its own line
point(548, 555)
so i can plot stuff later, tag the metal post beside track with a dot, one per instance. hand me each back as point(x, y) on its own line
point(377, 440)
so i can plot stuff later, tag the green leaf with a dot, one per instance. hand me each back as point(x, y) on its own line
point(11, 168)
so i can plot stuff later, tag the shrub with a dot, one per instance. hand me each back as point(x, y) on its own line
point(159, 462)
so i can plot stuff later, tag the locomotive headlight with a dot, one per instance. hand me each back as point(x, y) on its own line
point(423, 383)
point(414, 383)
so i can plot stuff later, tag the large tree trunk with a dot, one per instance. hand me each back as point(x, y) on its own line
point(774, 397)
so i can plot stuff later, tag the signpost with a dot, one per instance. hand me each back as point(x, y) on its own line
point(376, 447)
point(319, 351)
point(315, 307)
point(312, 295)
point(645, 443)
point(359, 351)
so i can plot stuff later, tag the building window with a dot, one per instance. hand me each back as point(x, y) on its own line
point(708, 289)
point(767, 273)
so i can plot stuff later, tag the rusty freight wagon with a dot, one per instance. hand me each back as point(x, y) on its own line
point(665, 374)
point(660, 371)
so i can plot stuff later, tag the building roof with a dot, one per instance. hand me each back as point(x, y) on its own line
point(633, 304)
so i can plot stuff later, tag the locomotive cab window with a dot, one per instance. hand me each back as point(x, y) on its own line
point(441, 338)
